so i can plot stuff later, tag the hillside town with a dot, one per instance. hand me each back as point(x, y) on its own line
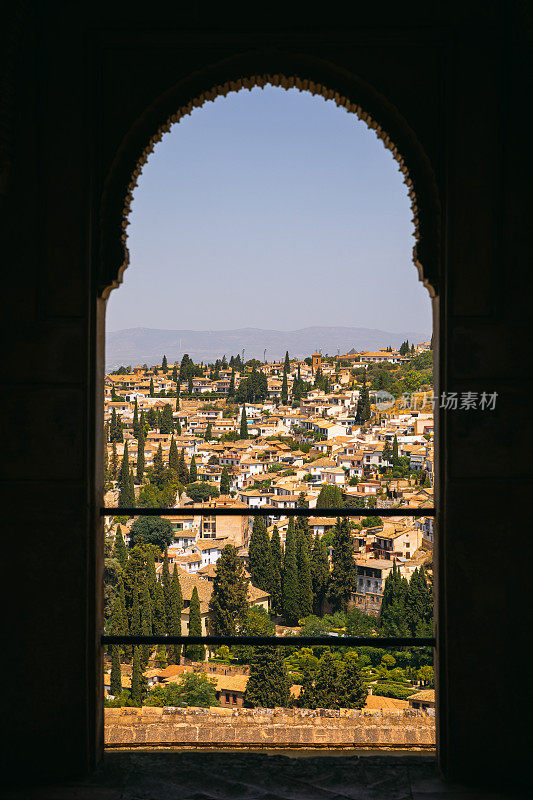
point(351, 431)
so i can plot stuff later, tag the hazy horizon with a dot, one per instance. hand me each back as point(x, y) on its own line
point(273, 210)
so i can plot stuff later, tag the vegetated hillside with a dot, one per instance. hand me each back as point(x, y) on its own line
point(138, 346)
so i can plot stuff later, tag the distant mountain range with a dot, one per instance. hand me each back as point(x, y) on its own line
point(137, 346)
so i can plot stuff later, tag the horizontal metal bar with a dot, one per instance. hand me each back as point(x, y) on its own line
point(277, 641)
point(270, 512)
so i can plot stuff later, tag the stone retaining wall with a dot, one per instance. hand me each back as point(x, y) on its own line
point(279, 727)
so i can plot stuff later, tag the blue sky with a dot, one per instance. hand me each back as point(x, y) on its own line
point(270, 209)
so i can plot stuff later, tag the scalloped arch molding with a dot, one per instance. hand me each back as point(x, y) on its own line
point(371, 108)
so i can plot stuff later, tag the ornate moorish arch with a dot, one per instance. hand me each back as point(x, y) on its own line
point(245, 72)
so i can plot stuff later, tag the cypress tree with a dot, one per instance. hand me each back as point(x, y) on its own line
point(138, 681)
point(176, 606)
point(319, 574)
point(159, 620)
point(195, 652)
point(231, 389)
point(173, 457)
point(393, 613)
point(352, 691)
point(343, 573)
point(419, 606)
point(259, 564)
point(158, 473)
point(151, 578)
point(120, 551)
point(276, 572)
point(228, 604)
point(113, 467)
point(268, 685)
point(132, 488)
point(244, 424)
point(124, 496)
point(146, 623)
point(284, 389)
point(326, 683)
point(305, 587)
point(224, 481)
point(143, 425)
point(208, 433)
point(151, 418)
point(178, 428)
point(183, 472)
point(135, 621)
point(151, 390)
point(140, 454)
point(175, 375)
point(165, 583)
point(189, 385)
point(136, 420)
point(178, 390)
point(290, 577)
point(193, 472)
point(164, 364)
point(116, 676)
point(167, 420)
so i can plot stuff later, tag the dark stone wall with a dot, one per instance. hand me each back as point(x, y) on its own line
point(84, 87)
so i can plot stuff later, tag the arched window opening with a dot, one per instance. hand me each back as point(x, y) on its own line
point(269, 395)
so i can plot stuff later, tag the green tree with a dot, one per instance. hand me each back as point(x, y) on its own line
point(138, 681)
point(224, 481)
point(116, 676)
point(146, 622)
point(268, 684)
point(305, 586)
point(276, 572)
point(419, 605)
point(243, 434)
point(151, 530)
point(164, 365)
point(393, 616)
point(284, 389)
point(175, 375)
point(231, 389)
point(259, 564)
point(324, 692)
point(183, 472)
point(125, 500)
point(290, 577)
point(135, 424)
point(228, 602)
point(193, 472)
point(257, 623)
point(113, 466)
point(176, 606)
point(343, 573)
point(167, 420)
point(208, 433)
point(330, 497)
point(201, 491)
point(195, 652)
point(120, 551)
point(158, 472)
point(173, 458)
point(319, 573)
point(352, 692)
point(192, 689)
point(140, 454)
point(152, 391)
